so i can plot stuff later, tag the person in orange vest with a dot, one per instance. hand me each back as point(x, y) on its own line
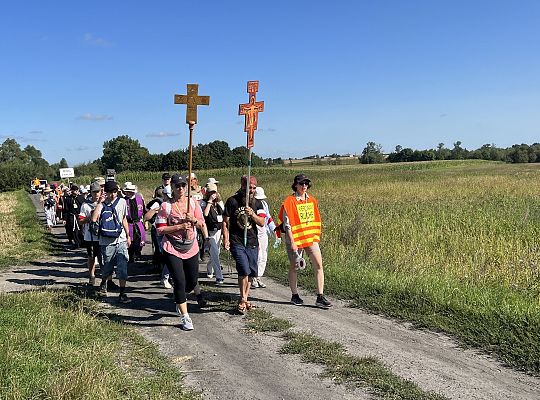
point(299, 219)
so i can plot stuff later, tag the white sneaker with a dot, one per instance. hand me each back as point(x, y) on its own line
point(185, 323)
point(210, 276)
point(166, 284)
point(254, 283)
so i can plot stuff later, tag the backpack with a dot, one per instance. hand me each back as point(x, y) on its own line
point(109, 223)
point(49, 203)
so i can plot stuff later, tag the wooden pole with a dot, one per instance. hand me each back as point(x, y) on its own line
point(247, 196)
point(191, 126)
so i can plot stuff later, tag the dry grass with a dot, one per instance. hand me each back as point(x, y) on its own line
point(10, 234)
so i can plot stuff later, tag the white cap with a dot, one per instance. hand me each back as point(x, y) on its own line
point(168, 191)
point(212, 180)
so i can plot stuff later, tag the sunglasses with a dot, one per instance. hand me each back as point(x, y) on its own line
point(304, 183)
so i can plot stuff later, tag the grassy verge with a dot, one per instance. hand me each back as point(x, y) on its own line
point(364, 372)
point(22, 237)
point(55, 346)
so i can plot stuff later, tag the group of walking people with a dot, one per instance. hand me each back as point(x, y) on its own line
point(183, 228)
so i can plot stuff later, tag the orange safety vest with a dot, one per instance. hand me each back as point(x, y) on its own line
point(304, 219)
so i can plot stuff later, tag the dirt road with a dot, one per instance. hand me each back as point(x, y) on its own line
point(225, 361)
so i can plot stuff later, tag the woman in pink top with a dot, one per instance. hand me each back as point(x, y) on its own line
point(180, 247)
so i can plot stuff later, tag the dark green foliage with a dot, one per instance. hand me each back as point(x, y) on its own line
point(372, 154)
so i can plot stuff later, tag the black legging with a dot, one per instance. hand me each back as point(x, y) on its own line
point(184, 274)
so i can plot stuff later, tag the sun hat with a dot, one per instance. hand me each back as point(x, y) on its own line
point(259, 193)
point(129, 187)
point(212, 180)
point(211, 187)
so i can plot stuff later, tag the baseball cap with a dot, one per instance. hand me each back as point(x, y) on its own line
point(178, 179)
point(166, 175)
point(95, 187)
point(110, 186)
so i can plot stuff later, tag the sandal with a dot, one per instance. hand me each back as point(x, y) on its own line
point(250, 306)
point(242, 307)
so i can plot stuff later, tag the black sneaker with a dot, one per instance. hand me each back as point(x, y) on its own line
point(201, 301)
point(103, 290)
point(112, 286)
point(322, 302)
point(296, 300)
point(124, 299)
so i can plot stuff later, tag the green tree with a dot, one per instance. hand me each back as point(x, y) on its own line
point(124, 153)
point(372, 154)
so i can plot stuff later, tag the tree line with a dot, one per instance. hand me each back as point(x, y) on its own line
point(518, 153)
point(19, 165)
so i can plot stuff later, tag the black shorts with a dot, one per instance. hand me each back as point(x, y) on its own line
point(92, 248)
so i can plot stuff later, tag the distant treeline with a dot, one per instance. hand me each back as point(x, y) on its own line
point(18, 166)
point(518, 153)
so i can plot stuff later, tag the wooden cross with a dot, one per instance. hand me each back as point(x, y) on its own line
point(192, 99)
point(251, 110)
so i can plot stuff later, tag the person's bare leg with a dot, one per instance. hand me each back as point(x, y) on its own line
point(293, 278)
point(316, 260)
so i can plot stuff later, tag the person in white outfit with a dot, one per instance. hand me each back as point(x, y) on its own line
point(213, 207)
point(263, 232)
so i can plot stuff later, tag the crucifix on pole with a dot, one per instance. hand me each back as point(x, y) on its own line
point(251, 112)
point(192, 100)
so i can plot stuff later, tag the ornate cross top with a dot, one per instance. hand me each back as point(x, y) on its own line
point(251, 110)
point(192, 99)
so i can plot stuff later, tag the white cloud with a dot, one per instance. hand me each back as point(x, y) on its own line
point(94, 117)
point(80, 148)
point(23, 139)
point(96, 41)
point(163, 134)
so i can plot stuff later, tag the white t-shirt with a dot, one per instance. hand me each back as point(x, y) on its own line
point(86, 212)
point(121, 211)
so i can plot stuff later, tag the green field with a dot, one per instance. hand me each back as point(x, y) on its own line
point(451, 245)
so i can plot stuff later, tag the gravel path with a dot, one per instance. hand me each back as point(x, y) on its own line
point(224, 361)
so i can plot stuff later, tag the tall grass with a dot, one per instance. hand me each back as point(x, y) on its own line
point(453, 245)
point(21, 235)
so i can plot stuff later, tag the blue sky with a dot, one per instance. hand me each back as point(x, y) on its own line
point(333, 75)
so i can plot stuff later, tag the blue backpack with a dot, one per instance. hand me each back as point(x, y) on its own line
point(109, 223)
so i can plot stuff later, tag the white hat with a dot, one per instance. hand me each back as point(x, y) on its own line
point(212, 180)
point(192, 175)
point(83, 189)
point(168, 191)
point(211, 187)
point(259, 193)
point(129, 187)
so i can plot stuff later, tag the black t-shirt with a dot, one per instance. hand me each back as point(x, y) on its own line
point(235, 210)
